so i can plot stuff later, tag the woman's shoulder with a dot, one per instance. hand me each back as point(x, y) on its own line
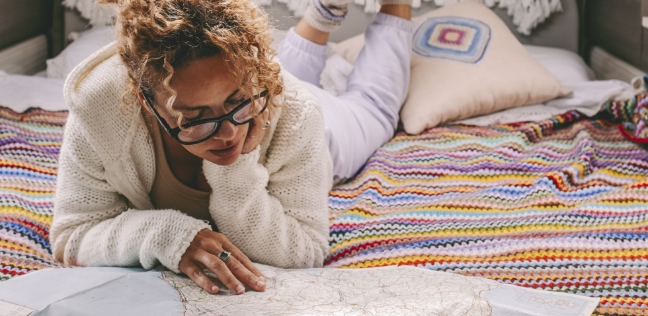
point(94, 93)
point(98, 83)
point(299, 107)
point(298, 144)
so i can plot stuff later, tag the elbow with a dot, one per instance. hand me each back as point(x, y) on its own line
point(58, 242)
point(63, 242)
point(315, 260)
point(311, 256)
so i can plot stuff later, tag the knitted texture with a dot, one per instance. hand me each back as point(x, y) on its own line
point(29, 149)
point(633, 115)
point(272, 202)
point(103, 216)
point(557, 205)
point(102, 213)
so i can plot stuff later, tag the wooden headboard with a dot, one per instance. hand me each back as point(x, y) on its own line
point(616, 26)
point(30, 31)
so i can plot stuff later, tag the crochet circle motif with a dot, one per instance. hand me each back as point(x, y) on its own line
point(454, 38)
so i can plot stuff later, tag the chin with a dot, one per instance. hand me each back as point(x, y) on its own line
point(222, 157)
point(222, 161)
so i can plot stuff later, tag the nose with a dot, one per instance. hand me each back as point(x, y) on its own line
point(227, 131)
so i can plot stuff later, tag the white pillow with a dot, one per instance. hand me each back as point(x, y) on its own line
point(88, 42)
point(565, 65)
point(466, 62)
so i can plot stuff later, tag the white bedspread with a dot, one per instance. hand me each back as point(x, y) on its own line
point(20, 92)
point(588, 98)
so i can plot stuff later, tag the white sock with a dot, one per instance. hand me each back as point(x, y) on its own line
point(327, 15)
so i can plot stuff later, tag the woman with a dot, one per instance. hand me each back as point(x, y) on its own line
point(187, 145)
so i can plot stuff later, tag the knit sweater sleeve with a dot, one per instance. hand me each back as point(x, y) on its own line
point(277, 212)
point(93, 225)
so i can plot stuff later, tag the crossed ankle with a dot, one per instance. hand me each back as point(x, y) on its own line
point(323, 18)
point(331, 11)
point(328, 15)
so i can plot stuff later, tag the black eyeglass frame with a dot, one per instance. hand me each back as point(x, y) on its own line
point(173, 132)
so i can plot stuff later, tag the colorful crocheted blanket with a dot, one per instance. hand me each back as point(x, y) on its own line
point(29, 148)
point(559, 205)
point(633, 115)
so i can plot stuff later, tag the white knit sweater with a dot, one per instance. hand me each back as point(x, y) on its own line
point(271, 203)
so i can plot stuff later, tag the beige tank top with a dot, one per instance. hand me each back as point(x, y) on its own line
point(168, 192)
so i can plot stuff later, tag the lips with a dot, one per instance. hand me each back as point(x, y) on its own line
point(226, 152)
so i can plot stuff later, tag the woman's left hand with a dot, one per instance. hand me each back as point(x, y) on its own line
point(256, 132)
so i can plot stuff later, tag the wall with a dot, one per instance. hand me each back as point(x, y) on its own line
point(74, 23)
point(560, 30)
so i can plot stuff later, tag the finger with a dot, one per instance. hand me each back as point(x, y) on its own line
point(220, 269)
point(194, 272)
point(244, 260)
point(256, 281)
point(245, 275)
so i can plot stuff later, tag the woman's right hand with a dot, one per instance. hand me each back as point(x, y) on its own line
point(203, 254)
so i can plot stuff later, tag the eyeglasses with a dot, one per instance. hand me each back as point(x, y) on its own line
point(201, 130)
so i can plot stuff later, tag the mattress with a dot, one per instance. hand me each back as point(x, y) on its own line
point(558, 205)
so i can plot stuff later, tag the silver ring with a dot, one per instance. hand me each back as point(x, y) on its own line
point(225, 256)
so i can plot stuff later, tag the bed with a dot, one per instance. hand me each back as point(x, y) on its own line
point(557, 204)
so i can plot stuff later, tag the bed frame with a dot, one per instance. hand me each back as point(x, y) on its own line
point(617, 27)
point(33, 30)
point(30, 32)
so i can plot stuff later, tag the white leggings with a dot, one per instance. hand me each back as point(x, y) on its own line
point(360, 120)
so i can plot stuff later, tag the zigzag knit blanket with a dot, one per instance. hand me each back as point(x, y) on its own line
point(559, 205)
point(29, 148)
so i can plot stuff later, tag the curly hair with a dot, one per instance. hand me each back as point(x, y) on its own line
point(155, 37)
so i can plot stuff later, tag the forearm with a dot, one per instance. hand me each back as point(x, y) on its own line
point(92, 225)
point(283, 226)
point(136, 237)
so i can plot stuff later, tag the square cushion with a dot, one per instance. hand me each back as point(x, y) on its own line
point(465, 62)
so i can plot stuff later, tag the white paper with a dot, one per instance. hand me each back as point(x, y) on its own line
point(93, 291)
point(8, 309)
point(379, 291)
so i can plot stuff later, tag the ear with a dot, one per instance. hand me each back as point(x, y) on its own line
point(142, 101)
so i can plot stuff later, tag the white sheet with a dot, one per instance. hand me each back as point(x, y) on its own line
point(20, 92)
point(588, 96)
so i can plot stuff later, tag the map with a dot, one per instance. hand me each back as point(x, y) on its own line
point(377, 291)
